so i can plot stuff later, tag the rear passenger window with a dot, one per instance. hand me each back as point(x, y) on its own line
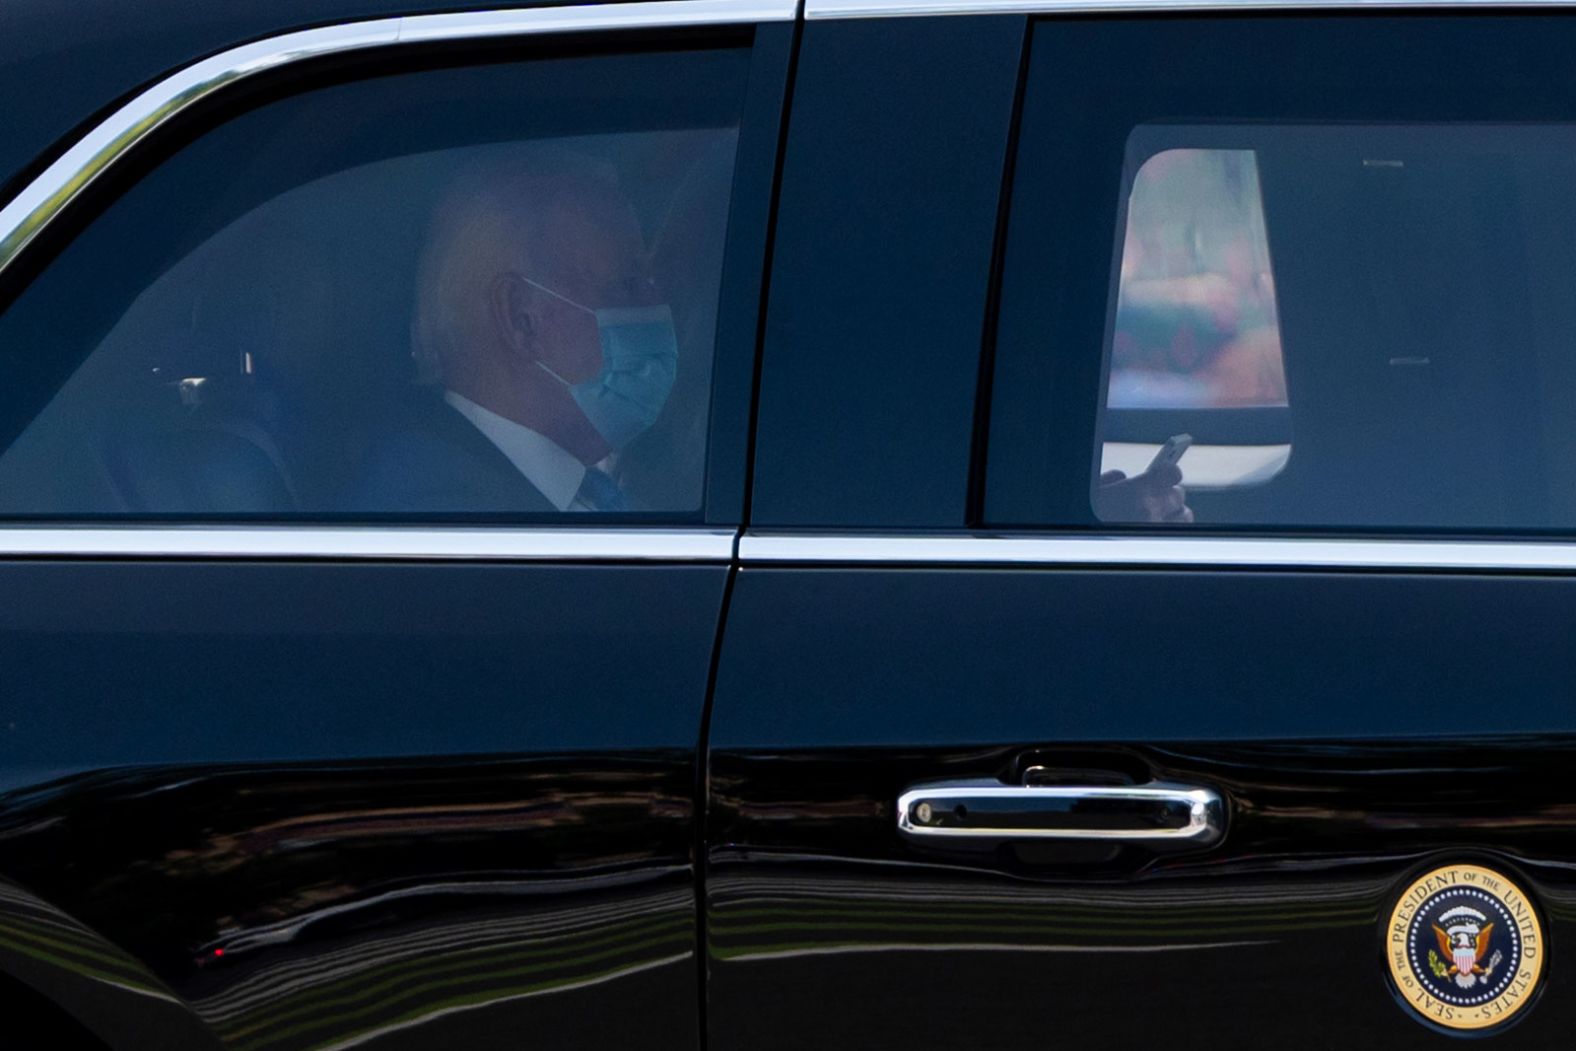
point(489, 291)
point(1429, 331)
point(1318, 287)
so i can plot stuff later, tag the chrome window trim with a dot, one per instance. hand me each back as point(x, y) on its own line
point(352, 543)
point(827, 9)
point(1201, 552)
point(397, 543)
point(51, 192)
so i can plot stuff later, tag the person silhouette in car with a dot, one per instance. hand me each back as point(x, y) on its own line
point(542, 332)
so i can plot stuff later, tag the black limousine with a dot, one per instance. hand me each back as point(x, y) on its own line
point(735, 525)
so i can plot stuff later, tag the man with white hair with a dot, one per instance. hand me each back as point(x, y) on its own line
point(537, 314)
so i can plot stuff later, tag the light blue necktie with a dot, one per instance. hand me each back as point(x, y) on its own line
point(600, 493)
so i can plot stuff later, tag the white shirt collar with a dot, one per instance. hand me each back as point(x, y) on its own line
point(546, 464)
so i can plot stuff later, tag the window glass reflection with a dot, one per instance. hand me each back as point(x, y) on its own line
point(1196, 325)
point(518, 322)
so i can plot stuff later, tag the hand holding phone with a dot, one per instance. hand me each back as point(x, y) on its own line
point(1153, 496)
point(1170, 452)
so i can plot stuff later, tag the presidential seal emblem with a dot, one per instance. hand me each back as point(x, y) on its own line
point(1465, 947)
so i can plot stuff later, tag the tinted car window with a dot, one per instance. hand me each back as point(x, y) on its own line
point(890, 193)
point(1329, 303)
point(1427, 326)
point(488, 291)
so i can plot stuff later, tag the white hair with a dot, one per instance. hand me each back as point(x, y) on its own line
point(488, 221)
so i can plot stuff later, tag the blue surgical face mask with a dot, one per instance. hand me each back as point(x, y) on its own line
point(640, 356)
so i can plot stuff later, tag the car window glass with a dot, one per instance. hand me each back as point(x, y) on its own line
point(1350, 325)
point(481, 292)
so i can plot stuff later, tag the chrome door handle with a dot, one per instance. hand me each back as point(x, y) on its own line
point(1151, 814)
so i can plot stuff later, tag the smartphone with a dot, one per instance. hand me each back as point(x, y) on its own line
point(1171, 451)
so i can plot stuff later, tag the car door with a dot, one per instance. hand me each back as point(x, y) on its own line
point(340, 707)
point(1019, 752)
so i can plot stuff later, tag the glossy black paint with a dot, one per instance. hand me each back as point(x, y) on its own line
point(859, 657)
point(110, 665)
point(742, 294)
point(891, 183)
point(823, 921)
point(414, 805)
point(1361, 726)
point(421, 904)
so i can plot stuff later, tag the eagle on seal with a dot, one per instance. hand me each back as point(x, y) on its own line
point(1466, 947)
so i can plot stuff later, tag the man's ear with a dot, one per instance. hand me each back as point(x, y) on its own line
point(510, 305)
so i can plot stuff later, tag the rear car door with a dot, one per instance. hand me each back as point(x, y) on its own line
point(340, 707)
point(1007, 754)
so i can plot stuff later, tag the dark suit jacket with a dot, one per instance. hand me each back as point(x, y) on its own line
point(433, 459)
